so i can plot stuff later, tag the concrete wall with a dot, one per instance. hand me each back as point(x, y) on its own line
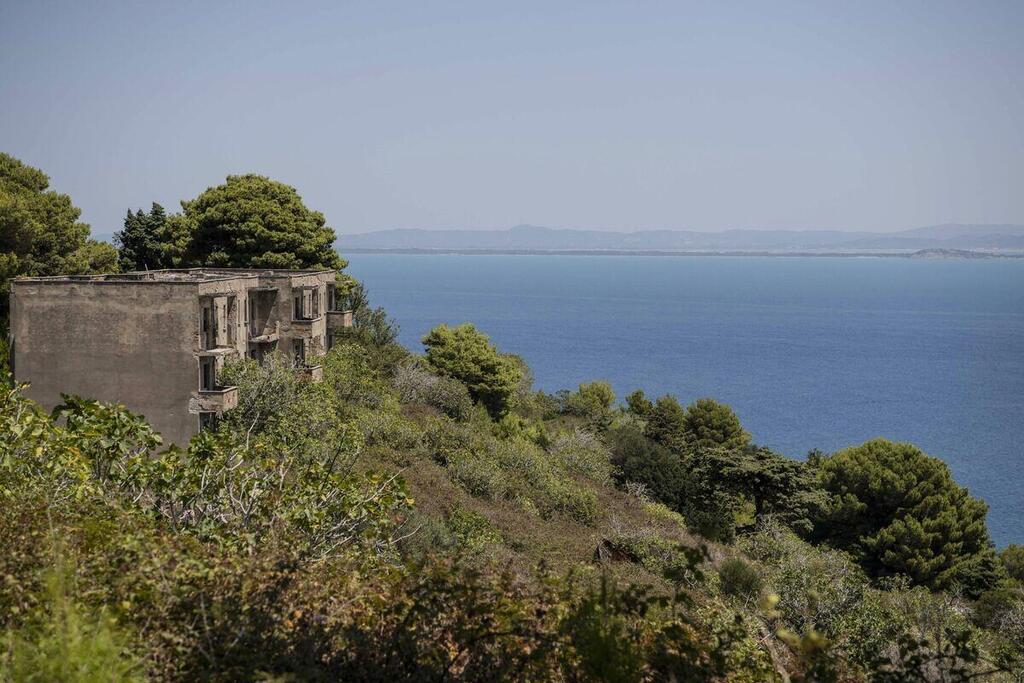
point(132, 342)
point(314, 332)
point(137, 341)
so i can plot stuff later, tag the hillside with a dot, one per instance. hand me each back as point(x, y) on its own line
point(433, 517)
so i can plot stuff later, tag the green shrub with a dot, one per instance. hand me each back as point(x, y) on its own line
point(415, 383)
point(654, 553)
point(638, 404)
point(584, 454)
point(567, 497)
point(354, 380)
point(388, 430)
point(899, 511)
point(816, 587)
point(993, 606)
point(472, 530)
point(663, 513)
point(591, 401)
point(739, 579)
point(666, 424)
point(1012, 557)
point(534, 474)
point(638, 459)
point(478, 475)
point(514, 427)
point(466, 354)
point(68, 644)
point(709, 423)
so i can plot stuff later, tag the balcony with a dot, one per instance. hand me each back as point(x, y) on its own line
point(309, 327)
point(217, 400)
point(337, 320)
point(268, 333)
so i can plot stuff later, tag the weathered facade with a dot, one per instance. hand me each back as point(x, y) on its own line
point(157, 341)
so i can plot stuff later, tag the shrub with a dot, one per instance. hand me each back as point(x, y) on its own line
point(816, 588)
point(711, 424)
point(656, 554)
point(584, 454)
point(416, 384)
point(480, 476)
point(663, 513)
point(533, 474)
point(993, 606)
point(472, 530)
point(465, 354)
point(451, 397)
point(353, 379)
point(638, 459)
point(739, 578)
point(592, 401)
point(512, 427)
point(1012, 557)
point(68, 644)
point(666, 424)
point(388, 430)
point(638, 404)
point(578, 503)
point(899, 511)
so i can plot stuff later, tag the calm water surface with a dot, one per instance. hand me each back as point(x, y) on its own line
point(810, 352)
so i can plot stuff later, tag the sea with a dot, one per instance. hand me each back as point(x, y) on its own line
point(811, 352)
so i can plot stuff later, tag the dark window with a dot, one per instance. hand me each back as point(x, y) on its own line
point(204, 327)
point(208, 374)
point(298, 306)
point(207, 421)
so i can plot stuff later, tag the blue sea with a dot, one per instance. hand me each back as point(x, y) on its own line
point(810, 352)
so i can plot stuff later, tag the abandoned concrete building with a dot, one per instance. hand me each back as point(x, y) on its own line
point(156, 341)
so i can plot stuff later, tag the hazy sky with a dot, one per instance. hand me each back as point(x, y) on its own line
point(710, 115)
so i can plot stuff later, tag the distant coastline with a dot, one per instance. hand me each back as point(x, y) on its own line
point(919, 254)
point(951, 240)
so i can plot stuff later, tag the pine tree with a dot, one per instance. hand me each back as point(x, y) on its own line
point(899, 511)
point(140, 242)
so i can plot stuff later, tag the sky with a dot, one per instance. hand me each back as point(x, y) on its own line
point(612, 116)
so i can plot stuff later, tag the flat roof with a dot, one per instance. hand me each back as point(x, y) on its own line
point(178, 275)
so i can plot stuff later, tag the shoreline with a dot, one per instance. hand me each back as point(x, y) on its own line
point(927, 254)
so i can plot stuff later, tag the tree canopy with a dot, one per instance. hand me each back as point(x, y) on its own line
point(638, 404)
point(141, 243)
point(40, 233)
point(709, 423)
point(465, 353)
point(666, 423)
point(899, 511)
point(251, 221)
point(778, 486)
point(1012, 558)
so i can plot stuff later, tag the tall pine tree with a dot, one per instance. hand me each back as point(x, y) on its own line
point(140, 242)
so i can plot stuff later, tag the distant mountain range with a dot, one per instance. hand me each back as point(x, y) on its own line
point(986, 238)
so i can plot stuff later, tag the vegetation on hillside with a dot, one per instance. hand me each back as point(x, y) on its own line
point(433, 517)
point(386, 524)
